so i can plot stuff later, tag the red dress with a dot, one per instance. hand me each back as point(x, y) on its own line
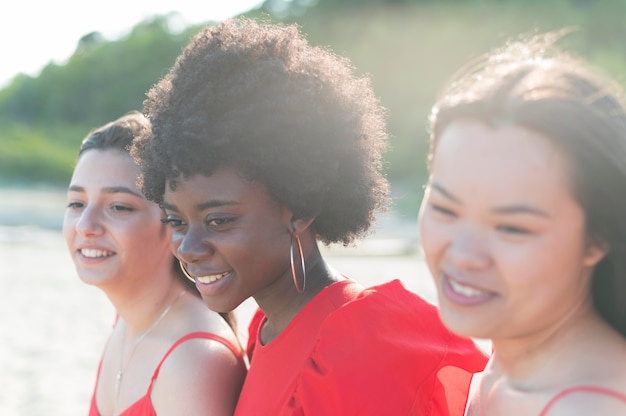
point(355, 351)
point(143, 406)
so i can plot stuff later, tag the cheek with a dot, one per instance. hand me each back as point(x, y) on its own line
point(433, 242)
point(166, 237)
point(153, 232)
point(535, 270)
point(68, 228)
point(432, 235)
point(175, 240)
point(166, 231)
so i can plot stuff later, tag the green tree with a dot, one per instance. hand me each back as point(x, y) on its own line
point(99, 82)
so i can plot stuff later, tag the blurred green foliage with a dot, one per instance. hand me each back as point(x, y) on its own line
point(102, 79)
point(409, 48)
point(44, 118)
point(37, 153)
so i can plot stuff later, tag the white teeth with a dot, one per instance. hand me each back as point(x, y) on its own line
point(93, 253)
point(464, 290)
point(211, 278)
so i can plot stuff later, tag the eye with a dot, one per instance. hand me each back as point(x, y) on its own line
point(75, 205)
point(512, 229)
point(173, 222)
point(440, 209)
point(122, 208)
point(218, 221)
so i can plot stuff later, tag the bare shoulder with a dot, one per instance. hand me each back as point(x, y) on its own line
point(600, 385)
point(589, 400)
point(200, 376)
point(213, 339)
point(203, 374)
point(194, 316)
point(202, 351)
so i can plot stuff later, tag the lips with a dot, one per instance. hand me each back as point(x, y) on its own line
point(462, 293)
point(464, 290)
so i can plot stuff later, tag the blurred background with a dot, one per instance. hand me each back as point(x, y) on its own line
point(69, 68)
point(409, 48)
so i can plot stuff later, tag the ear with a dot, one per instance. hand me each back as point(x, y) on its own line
point(300, 225)
point(595, 252)
point(295, 224)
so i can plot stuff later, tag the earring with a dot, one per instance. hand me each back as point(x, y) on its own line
point(187, 275)
point(293, 268)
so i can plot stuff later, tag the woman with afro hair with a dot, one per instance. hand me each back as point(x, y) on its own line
point(263, 146)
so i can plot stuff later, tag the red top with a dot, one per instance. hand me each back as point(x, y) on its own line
point(355, 351)
point(589, 389)
point(143, 406)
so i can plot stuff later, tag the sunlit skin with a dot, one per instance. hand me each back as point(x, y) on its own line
point(500, 224)
point(235, 240)
point(504, 239)
point(111, 230)
point(119, 244)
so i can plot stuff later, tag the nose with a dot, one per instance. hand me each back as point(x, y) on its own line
point(193, 245)
point(469, 251)
point(89, 223)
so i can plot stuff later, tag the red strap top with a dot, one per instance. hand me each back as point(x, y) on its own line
point(590, 389)
point(143, 406)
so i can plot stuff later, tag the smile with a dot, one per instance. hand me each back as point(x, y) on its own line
point(465, 290)
point(462, 294)
point(211, 278)
point(93, 253)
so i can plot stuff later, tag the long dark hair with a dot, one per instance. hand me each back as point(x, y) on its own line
point(533, 85)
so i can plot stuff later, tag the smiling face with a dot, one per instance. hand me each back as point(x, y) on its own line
point(503, 236)
point(231, 236)
point(113, 233)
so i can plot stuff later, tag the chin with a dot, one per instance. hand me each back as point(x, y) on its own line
point(461, 324)
point(218, 305)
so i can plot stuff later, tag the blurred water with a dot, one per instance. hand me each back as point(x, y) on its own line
point(53, 327)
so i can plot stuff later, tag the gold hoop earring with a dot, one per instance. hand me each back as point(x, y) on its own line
point(302, 265)
point(187, 275)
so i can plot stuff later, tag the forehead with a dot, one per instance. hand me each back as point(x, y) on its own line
point(226, 183)
point(105, 168)
point(479, 141)
point(504, 158)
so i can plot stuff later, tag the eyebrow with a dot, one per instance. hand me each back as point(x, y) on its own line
point(520, 209)
point(503, 210)
point(442, 190)
point(109, 190)
point(215, 203)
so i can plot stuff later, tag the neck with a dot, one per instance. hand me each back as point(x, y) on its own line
point(140, 307)
point(136, 340)
point(282, 302)
point(529, 358)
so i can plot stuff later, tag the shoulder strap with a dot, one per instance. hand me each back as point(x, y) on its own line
point(589, 389)
point(193, 335)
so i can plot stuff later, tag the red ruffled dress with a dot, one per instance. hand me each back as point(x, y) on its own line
point(354, 351)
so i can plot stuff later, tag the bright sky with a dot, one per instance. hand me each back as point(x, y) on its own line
point(35, 32)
